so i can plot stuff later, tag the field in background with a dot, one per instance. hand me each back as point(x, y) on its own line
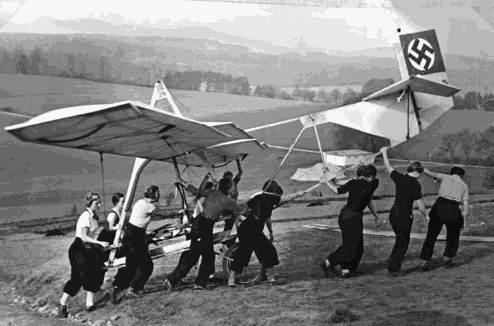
point(44, 182)
point(39, 181)
point(343, 88)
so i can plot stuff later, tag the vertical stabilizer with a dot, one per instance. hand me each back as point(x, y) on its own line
point(419, 53)
point(162, 99)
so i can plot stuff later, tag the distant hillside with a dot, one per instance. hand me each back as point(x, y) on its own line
point(452, 122)
point(127, 57)
point(43, 181)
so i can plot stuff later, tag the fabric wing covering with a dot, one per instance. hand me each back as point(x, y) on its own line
point(127, 128)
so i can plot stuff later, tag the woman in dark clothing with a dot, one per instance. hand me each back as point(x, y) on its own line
point(85, 266)
point(360, 192)
point(111, 224)
point(408, 191)
point(251, 235)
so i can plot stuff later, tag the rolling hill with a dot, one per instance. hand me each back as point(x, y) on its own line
point(127, 56)
point(41, 181)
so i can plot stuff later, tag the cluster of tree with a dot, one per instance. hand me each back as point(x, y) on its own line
point(107, 68)
point(475, 101)
point(466, 147)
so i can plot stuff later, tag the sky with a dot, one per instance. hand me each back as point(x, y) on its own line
point(355, 25)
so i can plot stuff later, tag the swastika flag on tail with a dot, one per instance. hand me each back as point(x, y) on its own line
point(422, 54)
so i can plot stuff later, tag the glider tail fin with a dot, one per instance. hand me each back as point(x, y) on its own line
point(162, 99)
point(419, 53)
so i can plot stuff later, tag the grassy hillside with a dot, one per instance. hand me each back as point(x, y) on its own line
point(127, 56)
point(41, 181)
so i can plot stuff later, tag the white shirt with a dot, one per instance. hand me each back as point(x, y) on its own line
point(452, 187)
point(141, 213)
point(199, 207)
point(86, 220)
point(111, 219)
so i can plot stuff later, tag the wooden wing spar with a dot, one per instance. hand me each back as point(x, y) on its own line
point(133, 129)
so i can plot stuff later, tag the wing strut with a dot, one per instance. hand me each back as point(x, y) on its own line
point(320, 149)
point(102, 168)
point(416, 109)
point(284, 158)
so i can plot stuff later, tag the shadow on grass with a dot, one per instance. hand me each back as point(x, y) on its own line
point(421, 318)
point(306, 249)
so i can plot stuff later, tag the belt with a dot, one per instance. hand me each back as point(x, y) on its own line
point(451, 201)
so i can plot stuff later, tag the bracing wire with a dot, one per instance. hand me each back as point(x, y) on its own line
point(13, 14)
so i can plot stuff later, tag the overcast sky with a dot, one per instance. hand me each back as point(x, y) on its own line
point(460, 28)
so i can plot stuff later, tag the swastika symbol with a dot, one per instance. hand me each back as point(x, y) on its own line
point(421, 54)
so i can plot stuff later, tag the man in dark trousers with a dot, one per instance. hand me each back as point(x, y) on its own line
point(446, 211)
point(408, 190)
point(215, 204)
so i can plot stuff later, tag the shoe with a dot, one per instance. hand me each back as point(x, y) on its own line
point(91, 308)
point(199, 287)
point(396, 273)
point(133, 293)
point(425, 268)
point(168, 284)
point(113, 295)
point(62, 311)
point(232, 285)
point(325, 269)
point(449, 263)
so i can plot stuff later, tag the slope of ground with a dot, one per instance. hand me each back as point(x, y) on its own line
point(32, 186)
point(458, 296)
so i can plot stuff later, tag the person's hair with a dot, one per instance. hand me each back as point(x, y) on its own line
point(359, 170)
point(209, 185)
point(457, 170)
point(224, 185)
point(91, 197)
point(274, 188)
point(228, 174)
point(116, 197)
point(151, 191)
point(415, 167)
point(369, 171)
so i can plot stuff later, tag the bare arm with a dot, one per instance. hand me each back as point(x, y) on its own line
point(422, 209)
point(240, 171)
point(465, 206)
point(86, 238)
point(373, 211)
point(431, 174)
point(384, 151)
point(331, 186)
point(111, 222)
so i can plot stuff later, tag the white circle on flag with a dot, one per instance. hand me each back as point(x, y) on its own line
point(421, 54)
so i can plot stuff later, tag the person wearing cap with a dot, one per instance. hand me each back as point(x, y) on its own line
point(453, 191)
point(85, 266)
point(138, 264)
point(408, 190)
point(360, 192)
point(215, 204)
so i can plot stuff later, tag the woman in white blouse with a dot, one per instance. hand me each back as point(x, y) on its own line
point(139, 265)
point(85, 269)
